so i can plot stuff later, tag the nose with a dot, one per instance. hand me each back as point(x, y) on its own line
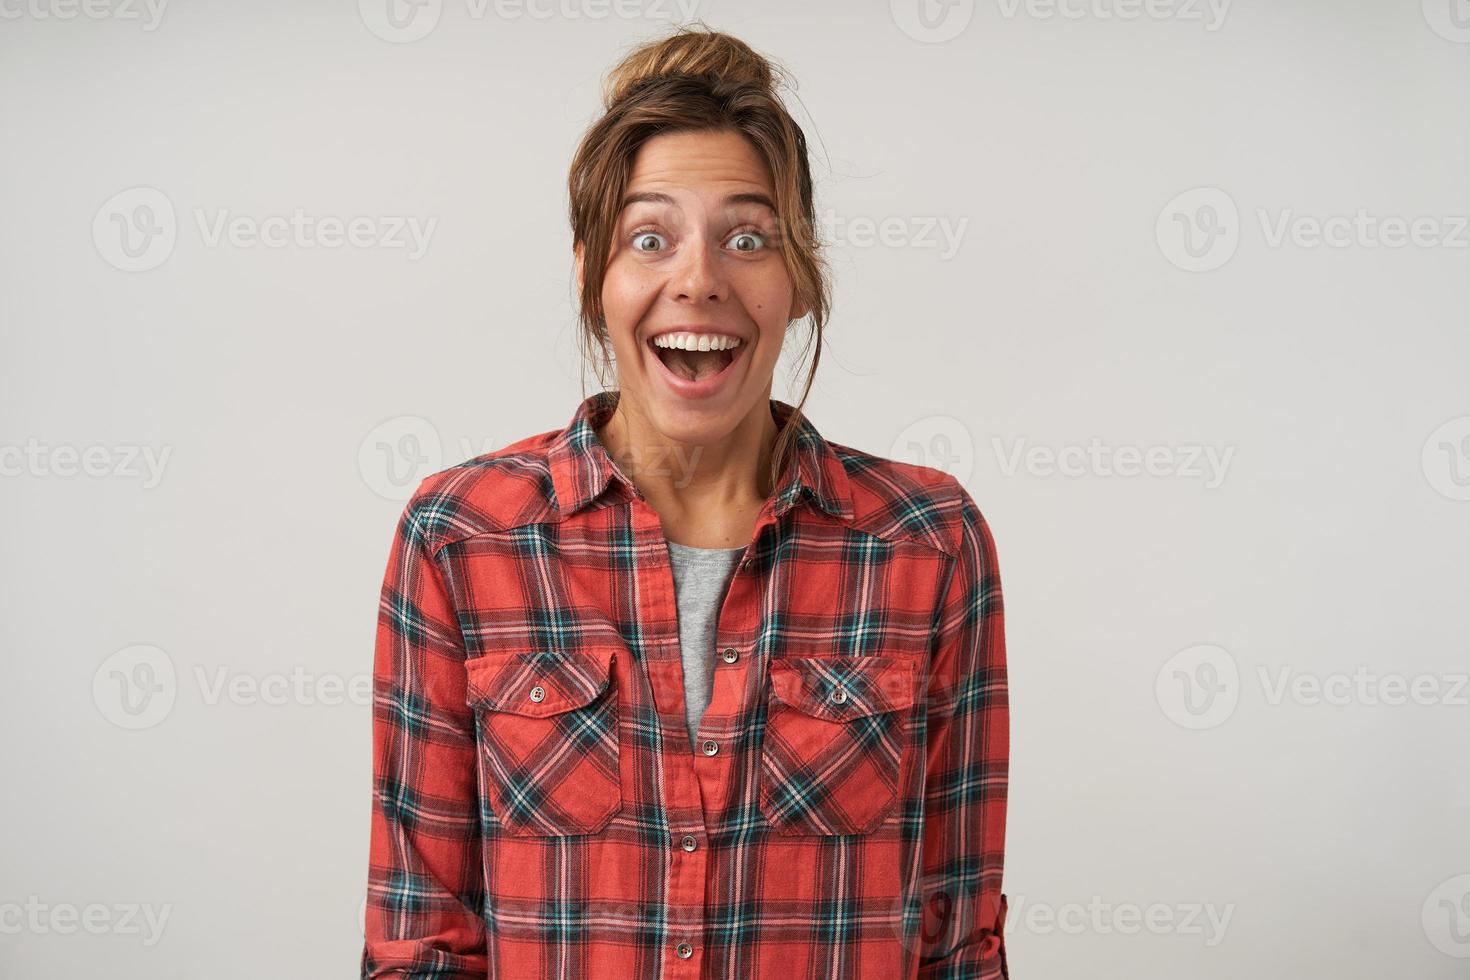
point(698, 277)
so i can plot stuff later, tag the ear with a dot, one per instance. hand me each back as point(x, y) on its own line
point(579, 251)
point(798, 310)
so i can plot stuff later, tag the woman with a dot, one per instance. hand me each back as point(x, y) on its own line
point(682, 689)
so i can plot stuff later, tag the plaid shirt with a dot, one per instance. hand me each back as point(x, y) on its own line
point(537, 812)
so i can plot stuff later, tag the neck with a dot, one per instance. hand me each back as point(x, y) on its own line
point(730, 472)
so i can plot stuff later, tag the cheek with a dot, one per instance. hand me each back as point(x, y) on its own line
point(768, 298)
point(626, 293)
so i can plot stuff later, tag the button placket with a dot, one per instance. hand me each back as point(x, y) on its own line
point(689, 866)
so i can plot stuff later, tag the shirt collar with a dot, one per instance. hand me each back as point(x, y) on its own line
point(581, 467)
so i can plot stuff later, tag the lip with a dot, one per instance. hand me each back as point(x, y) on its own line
point(705, 387)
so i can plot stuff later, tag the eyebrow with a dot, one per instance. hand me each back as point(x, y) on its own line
point(655, 197)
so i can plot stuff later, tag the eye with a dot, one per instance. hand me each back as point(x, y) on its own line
point(648, 241)
point(748, 241)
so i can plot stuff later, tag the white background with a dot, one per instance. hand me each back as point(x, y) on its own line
point(1160, 772)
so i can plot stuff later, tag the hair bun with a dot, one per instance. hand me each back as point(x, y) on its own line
point(691, 51)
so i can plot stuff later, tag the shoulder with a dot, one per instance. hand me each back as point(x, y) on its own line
point(892, 498)
point(495, 491)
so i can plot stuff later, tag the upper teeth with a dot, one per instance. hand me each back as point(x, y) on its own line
point(696, 341)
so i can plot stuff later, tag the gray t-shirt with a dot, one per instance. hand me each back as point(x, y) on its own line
point(701, 576)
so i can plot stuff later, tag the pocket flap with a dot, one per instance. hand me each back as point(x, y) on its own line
point(839, 690)
point(538, 683)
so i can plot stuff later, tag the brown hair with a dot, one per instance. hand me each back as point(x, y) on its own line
point(697, 80)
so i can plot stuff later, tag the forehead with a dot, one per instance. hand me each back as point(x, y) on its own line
point(701, 162)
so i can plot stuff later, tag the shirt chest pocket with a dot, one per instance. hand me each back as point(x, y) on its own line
point(546, 727)
point(837, 734)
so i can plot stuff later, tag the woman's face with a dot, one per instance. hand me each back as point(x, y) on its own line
point(695, 262)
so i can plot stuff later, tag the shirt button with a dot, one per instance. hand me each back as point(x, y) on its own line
point(538, 693)
point(684, 950)
point(840, 695)
point(711, 747)
point(729, 656)
point(689, 842)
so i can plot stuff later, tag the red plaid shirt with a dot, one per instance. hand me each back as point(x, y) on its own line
point(537, 812)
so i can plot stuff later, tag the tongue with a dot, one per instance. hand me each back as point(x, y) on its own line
point(696, 365)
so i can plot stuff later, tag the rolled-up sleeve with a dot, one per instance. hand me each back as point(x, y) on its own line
point(425, 893)
point(967, 752)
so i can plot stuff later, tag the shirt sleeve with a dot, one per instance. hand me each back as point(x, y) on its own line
point(425, 893)
point(968, 752)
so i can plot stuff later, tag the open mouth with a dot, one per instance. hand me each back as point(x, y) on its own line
point(695, 365)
